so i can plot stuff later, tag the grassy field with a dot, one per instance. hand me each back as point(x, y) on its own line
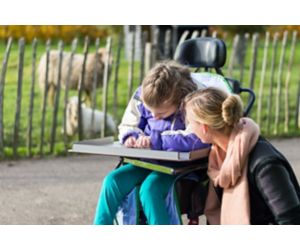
point(292, 91)
point(10, 93)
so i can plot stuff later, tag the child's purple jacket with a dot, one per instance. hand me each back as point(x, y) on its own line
point(170, 134)
point(165, 134)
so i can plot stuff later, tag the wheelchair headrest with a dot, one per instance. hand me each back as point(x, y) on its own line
point(202, 52)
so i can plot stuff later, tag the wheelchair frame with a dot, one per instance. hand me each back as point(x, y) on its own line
point(208, 53)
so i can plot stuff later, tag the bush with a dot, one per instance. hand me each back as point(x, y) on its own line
point(55, 32)
point(234, 29)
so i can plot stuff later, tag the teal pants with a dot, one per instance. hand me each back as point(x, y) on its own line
point(154, 187)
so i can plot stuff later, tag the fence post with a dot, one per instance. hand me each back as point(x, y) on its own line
point(174, 39)
point(167, 48)
point(273, 62)
point(233, 55)
point(297, 116)
point(131, 68)
point(254, 60)
point(287, 82)
point(19, 97)
point(95, 80)
point(242, 65)
point(57, 94)
point(105, 86)
point(30, 112)
point(69, 73)
point(142, 60)
point(148, 61)
point(214, 34)
point(262, 78)
point(2, 85)
point(195, 34)
point(279, 80)
point(155, 43)
point(45, 94)
point(181, 40)
point(203, 33)
point(116, 77)
point(80, 87)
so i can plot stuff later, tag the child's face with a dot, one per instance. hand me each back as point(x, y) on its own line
point(162, 111)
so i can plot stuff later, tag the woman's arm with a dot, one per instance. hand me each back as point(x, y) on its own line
point(278, 190)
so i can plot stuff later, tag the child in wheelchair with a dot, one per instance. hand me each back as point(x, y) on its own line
point(153, 119)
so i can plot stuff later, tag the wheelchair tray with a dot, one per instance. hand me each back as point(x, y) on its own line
point(107, 146)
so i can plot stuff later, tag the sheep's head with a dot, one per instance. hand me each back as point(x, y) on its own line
point(72, 115)
point(103, 54)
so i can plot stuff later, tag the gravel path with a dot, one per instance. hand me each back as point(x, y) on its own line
point(65, 190)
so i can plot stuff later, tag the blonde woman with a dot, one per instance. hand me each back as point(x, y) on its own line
point(250, 181)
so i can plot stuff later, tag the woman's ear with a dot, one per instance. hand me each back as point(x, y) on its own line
point(204, 128)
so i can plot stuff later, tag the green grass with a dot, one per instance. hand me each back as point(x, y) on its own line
point(10, 94)
point(293, 88)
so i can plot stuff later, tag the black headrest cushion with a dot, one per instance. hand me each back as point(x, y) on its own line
point(202, 52)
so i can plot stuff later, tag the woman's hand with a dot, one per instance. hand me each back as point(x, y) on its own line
point(130, 142)
point(143, 142)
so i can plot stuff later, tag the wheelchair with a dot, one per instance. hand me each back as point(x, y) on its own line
point(188, 193)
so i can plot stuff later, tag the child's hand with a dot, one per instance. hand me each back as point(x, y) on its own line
point(130, 142)
point(143, 142)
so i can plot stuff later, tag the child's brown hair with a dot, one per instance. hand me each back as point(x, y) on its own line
point(167, 82)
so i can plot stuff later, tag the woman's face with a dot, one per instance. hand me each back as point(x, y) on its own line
point(199, 129)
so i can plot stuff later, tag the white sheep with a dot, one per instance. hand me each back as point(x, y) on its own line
point(88, 128)
point(75, 73)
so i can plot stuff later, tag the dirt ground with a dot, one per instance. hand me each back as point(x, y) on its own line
point(65, 190)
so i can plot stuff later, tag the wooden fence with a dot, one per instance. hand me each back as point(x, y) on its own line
point(267, 63)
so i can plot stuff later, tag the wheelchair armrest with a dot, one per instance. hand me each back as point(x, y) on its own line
point(250, 100)
point(236, 86)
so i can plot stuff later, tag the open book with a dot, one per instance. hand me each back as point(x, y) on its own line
point(168, 167)
point(107, 146)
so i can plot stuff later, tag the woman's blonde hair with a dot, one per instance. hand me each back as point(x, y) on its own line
point(215, 108)
point(167, 82)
